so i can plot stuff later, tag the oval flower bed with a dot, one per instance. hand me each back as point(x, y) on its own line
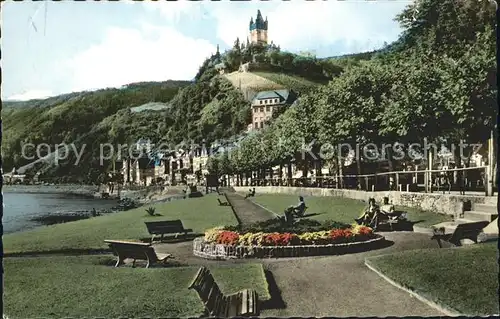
point(222, 243)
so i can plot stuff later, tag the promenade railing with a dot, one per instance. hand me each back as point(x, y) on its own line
point(455, 179)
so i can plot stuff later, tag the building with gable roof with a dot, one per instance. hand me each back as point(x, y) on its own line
point(267, 102)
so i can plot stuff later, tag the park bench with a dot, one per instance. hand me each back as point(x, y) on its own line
point(242, 303)
point(221, 203)
point(302, 212)
point(463, 231)
point(166, 227)
point(136, 251)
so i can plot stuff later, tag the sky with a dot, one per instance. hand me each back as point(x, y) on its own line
point(52, 48)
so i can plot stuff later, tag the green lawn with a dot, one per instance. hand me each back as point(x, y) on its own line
point(80, 236)
point(464, 279)
point(87, 286)
point(340, 209)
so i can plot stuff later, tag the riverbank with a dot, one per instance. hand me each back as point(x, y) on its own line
point(69, 189)
point(145, 195)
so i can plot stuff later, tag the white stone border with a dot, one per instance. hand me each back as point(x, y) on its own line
point(428, 302)
point(223, 252)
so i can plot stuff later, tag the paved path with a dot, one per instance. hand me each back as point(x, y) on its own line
point(323, 285)
point(247, 211)
point(343, 286)
point(330, 285)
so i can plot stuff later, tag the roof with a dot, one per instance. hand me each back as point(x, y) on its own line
point(281, 94)
point(284, 96)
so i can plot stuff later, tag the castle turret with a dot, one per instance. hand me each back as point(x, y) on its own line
point(258, 29)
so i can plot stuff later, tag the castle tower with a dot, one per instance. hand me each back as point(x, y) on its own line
point(258, 30)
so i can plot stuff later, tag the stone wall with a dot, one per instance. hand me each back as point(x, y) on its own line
point(439, 203)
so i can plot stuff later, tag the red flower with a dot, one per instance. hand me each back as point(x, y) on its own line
point(227, 238)
point(272, 239)
point(340, 235)
point(288, 239)
point(365, 231)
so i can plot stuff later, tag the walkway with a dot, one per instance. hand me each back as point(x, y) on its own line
point(340, 286)
point(247, 211)
point(320, 286)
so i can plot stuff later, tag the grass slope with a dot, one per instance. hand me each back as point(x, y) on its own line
point(296, 83)
point(87, 286)
point(84, 235)
point(340, 209)
point(464, 279)
point(251, 83)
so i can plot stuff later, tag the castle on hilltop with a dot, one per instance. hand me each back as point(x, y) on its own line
point(258, 30)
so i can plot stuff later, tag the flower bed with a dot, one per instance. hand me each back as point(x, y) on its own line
point(222, 243)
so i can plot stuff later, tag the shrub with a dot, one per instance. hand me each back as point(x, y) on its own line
point(151, 211)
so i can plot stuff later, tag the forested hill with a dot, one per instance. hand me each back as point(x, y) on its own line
point(81, 118)
point(206, 109)
point(437, 82)
point(371, 96)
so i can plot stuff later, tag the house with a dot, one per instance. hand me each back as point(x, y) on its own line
point(265, 103)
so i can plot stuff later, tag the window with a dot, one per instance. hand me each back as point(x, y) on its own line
point(260, 102)
point(256, 125)
point(261, 109)
point(275, 100)
point(268, 108)
point(261, 124)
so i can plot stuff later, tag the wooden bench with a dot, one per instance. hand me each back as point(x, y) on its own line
point(221, 203)
point(463, 231)
point(136, 251)
point(303, 212)
point(166, 227)
point(242, 303)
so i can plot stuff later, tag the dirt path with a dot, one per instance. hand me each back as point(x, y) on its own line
point(247, 211)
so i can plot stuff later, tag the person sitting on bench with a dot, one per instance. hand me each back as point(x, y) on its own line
point(299, 209)
point(386, 207)
point(251, 193)
point(370, 214)
point(387, 211)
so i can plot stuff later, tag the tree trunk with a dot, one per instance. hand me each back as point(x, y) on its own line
point(358, 167)
point(280, 175)
point(390, 162)
point(340, 172)
point(271, 174)
point(319, 179)
point(289, 173)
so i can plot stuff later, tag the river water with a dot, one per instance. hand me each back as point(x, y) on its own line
point(19, 208)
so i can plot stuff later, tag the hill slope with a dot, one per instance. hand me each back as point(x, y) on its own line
point(83, 118)
point(251, 83)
